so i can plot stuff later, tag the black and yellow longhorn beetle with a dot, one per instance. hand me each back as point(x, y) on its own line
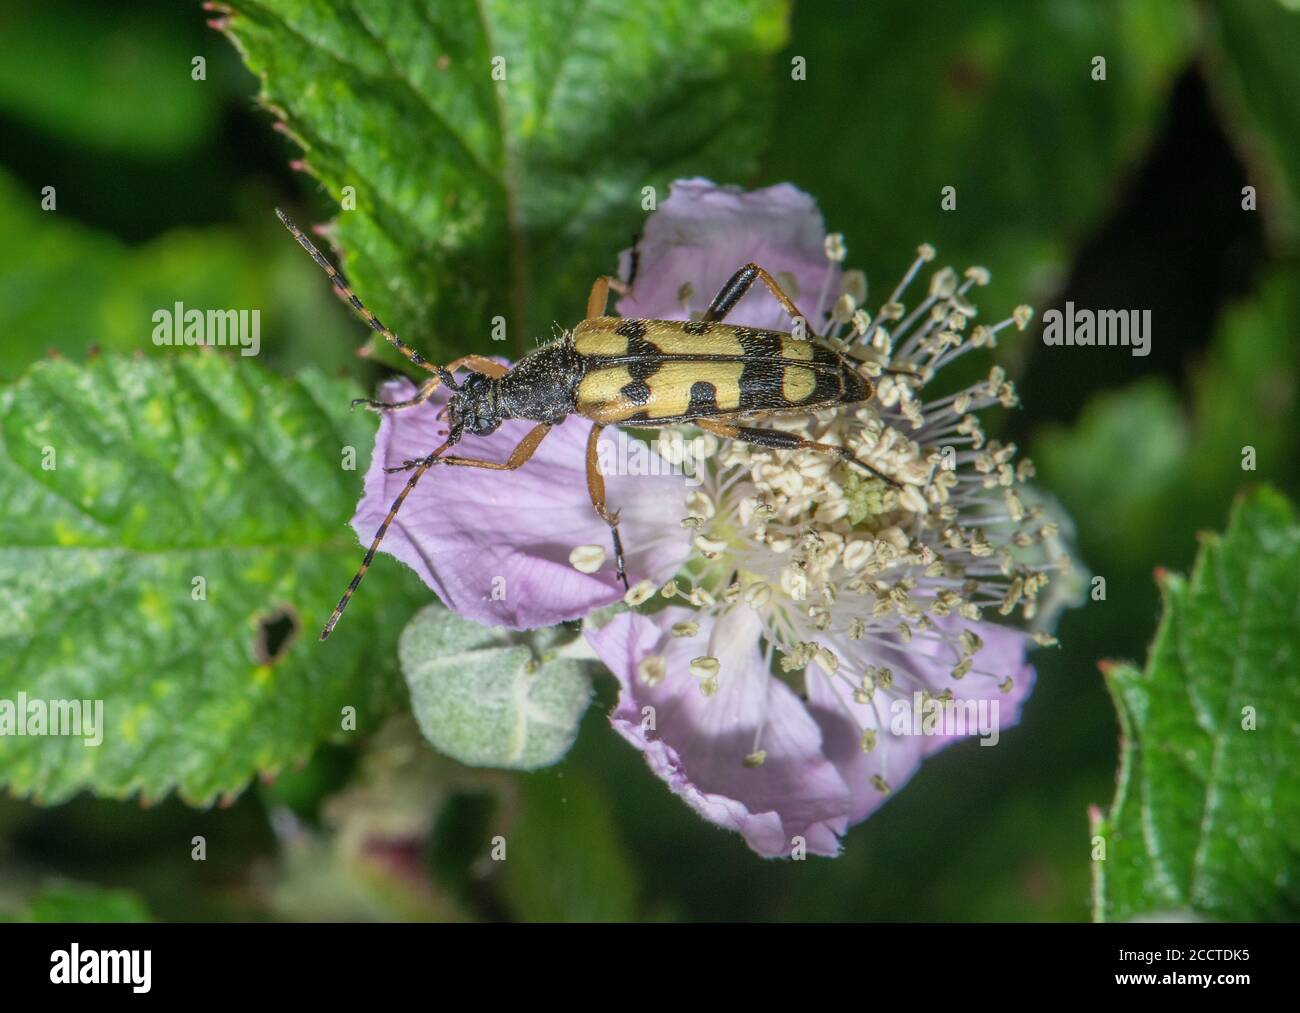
point(630, 372)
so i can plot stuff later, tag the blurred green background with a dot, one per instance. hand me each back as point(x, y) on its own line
point(1116, 193)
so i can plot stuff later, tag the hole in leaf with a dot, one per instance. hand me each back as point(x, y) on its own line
point(275, 632)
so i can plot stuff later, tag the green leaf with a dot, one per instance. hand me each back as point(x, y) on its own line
point(489, 698)
point(68, 288)
point(1253, 68)
point(79, 902)
point(564, 860)
point(478, 197)
point(997, 101)
point(116, 78)
point(124, 481)
point(1207, 811)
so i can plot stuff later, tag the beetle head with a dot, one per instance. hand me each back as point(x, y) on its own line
point(474, 405)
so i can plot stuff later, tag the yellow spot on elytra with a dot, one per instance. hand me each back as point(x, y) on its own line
point(797, 384)
point(670, 339)
point(597, 338)
point(600, 397)
point(670, 387)
point(794, 349)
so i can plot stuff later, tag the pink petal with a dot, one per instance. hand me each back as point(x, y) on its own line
point(698, 743)
point(495, 545)
point(923, 664)
point(702, 233)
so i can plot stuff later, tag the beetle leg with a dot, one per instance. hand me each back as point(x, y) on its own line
point(596, 486)
point(598, 301)
point(779, 440)
point(739, 283)
point(518, 457)
point(426, 389)
point(480, 363)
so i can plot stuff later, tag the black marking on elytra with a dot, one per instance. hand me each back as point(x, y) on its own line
point(761, 385)
point(637, 392)
point(856, 387)
point(704, 399)
point(828, 387)
point(631, 328)
point(697, 327)
point(645, 358)
point(829, 356)
point(759, 344)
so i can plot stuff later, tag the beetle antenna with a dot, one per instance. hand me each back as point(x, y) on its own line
point(357, 304)
point(424, 465)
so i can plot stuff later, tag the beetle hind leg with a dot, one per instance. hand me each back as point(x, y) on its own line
point(780, 440)
point(740, 283)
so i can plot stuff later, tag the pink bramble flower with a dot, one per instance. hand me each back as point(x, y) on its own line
point(829, 631)
point(801, 635)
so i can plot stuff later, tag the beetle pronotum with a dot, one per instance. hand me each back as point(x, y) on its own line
point(629, 372)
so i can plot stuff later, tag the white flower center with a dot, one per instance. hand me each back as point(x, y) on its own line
point(847, 572)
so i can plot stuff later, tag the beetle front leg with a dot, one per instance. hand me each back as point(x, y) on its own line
point(596, 487)
point(598, 301)
point(481, 363)
point(426, 390)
